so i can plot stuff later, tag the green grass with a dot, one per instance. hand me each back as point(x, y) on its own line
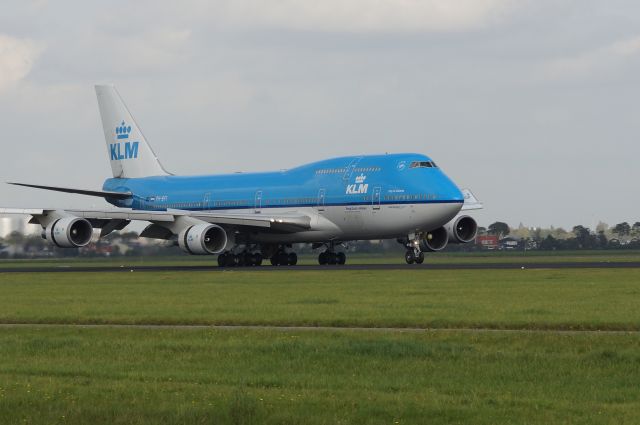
point(51, 375)
point(124, 376)
point(521, 299)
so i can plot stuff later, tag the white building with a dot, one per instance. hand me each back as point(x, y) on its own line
point(19, 224)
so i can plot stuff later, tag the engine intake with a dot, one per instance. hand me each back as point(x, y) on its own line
point(435, 240)
point(203, 239)
point(462, 229)
point(69, 232)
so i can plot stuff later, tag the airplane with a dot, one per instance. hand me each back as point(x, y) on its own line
point(247, 217)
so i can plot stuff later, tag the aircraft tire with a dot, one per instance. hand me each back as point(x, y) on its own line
point(256, 259)
point(409, 257)
point(292, 259)
point(283, 259)
point(222, 261)
point(274, 260)
point(420, 258)
point(322, 259)
point(231, 260)
point(342, 258)
point(332, 258)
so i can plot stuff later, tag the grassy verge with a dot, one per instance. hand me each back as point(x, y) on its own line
point(522, 299)
point(110, 376)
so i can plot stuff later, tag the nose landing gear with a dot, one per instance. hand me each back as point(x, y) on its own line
point(414, 257)
point(413, 254)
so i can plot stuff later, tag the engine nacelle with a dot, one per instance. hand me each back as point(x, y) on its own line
point(462, 229)
point(203, 239)
point(69, 232)
point(434, 240)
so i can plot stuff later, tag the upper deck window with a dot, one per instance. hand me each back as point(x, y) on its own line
point(423, 164)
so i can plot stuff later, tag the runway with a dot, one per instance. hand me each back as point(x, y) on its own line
point(349, 267)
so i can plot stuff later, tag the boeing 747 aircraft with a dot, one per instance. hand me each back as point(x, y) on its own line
point(246, 217)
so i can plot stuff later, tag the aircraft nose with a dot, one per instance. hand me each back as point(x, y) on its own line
point(449, 191)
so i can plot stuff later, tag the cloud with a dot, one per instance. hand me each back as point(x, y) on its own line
point(595, 61)
point(16, 59)
point(362, 15)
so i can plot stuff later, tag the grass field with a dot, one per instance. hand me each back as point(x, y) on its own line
point(120, 375)
point(605, 299)
point(270, 377)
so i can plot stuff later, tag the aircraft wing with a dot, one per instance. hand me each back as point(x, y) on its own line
point(98, 193)
point(470, 201)
point(117, 218)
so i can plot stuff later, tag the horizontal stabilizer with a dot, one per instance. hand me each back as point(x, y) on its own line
point(98, 193)
point(470, 201)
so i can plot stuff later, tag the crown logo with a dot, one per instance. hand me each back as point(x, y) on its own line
point(122, 131)
point(361, 178)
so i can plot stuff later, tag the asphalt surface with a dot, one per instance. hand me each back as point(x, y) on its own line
point(364, 267)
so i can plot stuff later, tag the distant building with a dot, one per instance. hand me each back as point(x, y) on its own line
point(17, 224)
point(510, 242)
point(487, 241)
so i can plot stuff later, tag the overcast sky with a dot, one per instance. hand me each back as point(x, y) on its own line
point(534, 105)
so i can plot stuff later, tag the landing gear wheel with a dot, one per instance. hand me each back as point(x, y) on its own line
point(420, 258)
point(322, 258)
point(341, 258)
point(256, 259)
point(409, 257)
point(274, 260)
point(222, 260)
point(333, 258)
point(292, 259)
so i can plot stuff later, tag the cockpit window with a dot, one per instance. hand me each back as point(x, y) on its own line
point(423, 164)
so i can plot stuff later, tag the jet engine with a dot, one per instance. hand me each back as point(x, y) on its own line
point(434, 240)
point(462, 229)
point(69, 232)
point(203, 239)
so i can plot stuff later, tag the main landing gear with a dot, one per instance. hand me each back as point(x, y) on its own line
point(243, 259)
point(330, 256)
point(283, 258)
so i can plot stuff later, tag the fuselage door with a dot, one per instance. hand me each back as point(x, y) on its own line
point(206, 199)
point(349, 170)
point(321, 197)
point(375, 200)
point(258, 202)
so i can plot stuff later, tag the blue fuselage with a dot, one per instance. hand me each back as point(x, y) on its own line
point(345, 181)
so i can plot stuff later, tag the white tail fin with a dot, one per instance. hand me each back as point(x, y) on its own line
point(130, 154)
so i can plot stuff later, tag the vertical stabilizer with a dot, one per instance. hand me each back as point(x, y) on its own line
point(128, 150)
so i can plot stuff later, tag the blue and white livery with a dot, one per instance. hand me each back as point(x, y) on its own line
point(246, 217)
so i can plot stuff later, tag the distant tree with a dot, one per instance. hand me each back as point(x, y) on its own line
point(635, 229)
point(15, 238)
point(584, 238)
point(549, 243)
point(482, 230)
point(499, 228)
point(601, 240)
point(621, 229)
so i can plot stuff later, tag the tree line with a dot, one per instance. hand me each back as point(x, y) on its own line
point(621, 235)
